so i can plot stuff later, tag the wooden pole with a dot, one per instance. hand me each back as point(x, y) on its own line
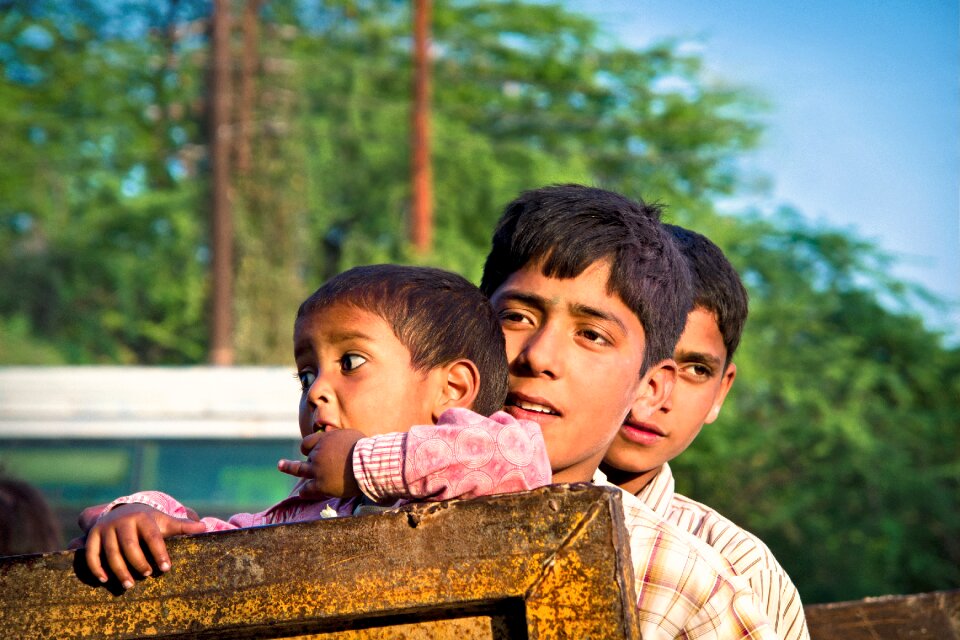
point(221, 236)
point(248, 70)
point(421, 228)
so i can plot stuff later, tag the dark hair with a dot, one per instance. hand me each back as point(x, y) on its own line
point(438, 316)
point(716, 284)
point(566, 228)
point(27, 525)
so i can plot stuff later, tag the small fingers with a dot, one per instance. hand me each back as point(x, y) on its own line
point(115, 559)
point(296, 468)
point(308, 443)
point(153, 538)
point(92, 553)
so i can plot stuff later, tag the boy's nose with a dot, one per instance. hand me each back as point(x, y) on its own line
point(319, 392)
point(541, 354)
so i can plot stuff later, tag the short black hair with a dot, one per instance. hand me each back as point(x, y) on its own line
point(438, 316)
point(566, 228)
point(716, 284)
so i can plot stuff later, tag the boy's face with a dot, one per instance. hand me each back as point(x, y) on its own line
point(575, 353)
point(702, 385)
point(356, 374)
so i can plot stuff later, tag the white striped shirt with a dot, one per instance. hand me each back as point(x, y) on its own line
point(745, 552)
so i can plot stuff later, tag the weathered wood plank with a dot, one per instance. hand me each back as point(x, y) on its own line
point(933, 616)
point(553, 563)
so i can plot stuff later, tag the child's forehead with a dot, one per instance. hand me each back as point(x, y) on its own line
point(340, 319)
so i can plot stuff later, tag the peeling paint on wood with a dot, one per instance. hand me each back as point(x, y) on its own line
point(552, 563)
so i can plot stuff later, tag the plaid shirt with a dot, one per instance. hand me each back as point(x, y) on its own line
point(685, 588)
point(745, 552)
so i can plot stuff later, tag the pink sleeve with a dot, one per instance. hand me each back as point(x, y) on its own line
point(463, 456)
point(171, 507)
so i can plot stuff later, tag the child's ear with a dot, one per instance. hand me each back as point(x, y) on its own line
point(655, 388)
point(459, 385)
point(728, 377)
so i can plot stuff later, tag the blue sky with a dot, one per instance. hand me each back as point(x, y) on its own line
point(864, 127)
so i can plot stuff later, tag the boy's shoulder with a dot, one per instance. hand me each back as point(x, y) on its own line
point(682, 582)
point(747, 554)
point(655, 532)
point(744, 550)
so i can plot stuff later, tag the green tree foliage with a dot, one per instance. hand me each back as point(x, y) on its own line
point(838, 444)
point(100, 243)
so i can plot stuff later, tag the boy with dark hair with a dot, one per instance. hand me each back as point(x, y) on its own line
point(377, 348)
point(637, 461)
point(591, 296)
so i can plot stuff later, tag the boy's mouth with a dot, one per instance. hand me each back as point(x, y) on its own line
point(324, 426)
point(521, 406)
point(641, 432)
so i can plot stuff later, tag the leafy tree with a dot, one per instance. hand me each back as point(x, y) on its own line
point(101, 247)
point(838, 443)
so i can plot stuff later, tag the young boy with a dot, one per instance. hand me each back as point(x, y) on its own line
point(638, 458)
point(377, 348)
point(592, 296)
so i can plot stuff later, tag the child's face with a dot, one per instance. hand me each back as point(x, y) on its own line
point(702, 385)
point(575, 355)
point(356, 374)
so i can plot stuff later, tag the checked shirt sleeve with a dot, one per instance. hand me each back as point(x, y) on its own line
point(464, 455)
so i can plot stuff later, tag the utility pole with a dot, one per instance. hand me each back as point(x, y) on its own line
point(247, 91)
point(421, 226)
point(221, 232)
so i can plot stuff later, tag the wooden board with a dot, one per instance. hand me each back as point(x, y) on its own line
point(552, 563)
point(933, 616)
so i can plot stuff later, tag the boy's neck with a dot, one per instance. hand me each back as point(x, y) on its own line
point(631, 481)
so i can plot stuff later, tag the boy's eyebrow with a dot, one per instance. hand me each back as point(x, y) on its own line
point(699, 356)
point(343, 336)
point(335, 338)
point(531, 299)
point(600, 314)
point(575, 309)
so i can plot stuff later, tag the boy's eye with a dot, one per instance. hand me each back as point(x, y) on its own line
point(594, 336)
point(351, 361)
point(511, 316)
point(697, 371)
point(306, 379)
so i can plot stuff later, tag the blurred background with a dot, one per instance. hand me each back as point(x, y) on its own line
point(177, 175)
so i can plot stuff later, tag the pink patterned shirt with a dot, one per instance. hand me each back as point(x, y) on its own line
point(464, 455)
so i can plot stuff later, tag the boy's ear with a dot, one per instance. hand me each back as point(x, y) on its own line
point(728, 377)
point(655, 388)
point(459, 385)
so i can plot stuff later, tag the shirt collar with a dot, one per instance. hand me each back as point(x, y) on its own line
point(658, 494)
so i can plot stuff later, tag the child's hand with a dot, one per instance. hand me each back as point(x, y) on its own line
point(328, 469)
point(88, 517)
point(118, 535)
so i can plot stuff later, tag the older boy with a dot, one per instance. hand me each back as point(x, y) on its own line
point(638, 458)
point(592, 296)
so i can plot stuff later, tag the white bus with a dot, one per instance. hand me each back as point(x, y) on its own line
point(210, 436)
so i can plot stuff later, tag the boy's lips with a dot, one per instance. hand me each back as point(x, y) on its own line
point(529, 407)
point(323, 425)
point(642, 432)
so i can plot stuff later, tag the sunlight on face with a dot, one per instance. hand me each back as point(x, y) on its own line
point(575, 354)
point(356, 374)
point(701, 387)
